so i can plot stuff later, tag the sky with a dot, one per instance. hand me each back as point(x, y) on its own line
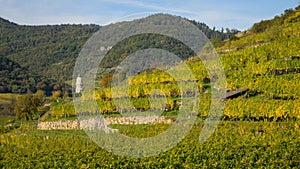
point(233, 14)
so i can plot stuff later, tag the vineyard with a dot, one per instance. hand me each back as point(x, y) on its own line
point(266, 63)
point(259, 129)
point(233, 145)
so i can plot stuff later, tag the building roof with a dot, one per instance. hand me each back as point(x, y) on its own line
point(234, 94)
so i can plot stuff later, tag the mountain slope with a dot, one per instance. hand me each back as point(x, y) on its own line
point(16, 79)
point(50, 51)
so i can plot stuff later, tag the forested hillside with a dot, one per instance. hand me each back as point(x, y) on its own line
point(50, 51)
point(17, 79)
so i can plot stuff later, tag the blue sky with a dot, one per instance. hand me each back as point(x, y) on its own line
point(240, 14)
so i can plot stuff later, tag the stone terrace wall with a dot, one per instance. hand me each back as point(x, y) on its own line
point(92, 123)
point(59, 125)
point(137, 120)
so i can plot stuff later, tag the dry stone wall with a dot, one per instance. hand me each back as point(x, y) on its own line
point(59, 125)
point(97, 123)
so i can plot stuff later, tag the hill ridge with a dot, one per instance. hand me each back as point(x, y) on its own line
point(51, 50)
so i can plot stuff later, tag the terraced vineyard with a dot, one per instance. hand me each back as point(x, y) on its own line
point(233, 145)
point(260, 129)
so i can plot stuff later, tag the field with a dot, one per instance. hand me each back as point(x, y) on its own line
point(235, 144)
point(6, 98)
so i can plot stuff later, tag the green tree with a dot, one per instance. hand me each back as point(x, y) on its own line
point(27, 106)
point(40, 94)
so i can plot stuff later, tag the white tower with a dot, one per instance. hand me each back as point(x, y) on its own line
point(78, 85)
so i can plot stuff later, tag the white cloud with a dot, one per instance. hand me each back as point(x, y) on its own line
point(135, 3)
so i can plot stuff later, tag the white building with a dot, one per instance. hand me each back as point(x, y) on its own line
point(79, 85)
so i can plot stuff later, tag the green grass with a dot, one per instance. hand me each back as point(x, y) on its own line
point(50, 118)
point(6, 119)
point(62, 101)
point(6, 98)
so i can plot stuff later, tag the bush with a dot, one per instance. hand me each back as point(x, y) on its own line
point(27, 106)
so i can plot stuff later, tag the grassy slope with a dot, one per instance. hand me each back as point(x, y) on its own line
point(6, 98)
